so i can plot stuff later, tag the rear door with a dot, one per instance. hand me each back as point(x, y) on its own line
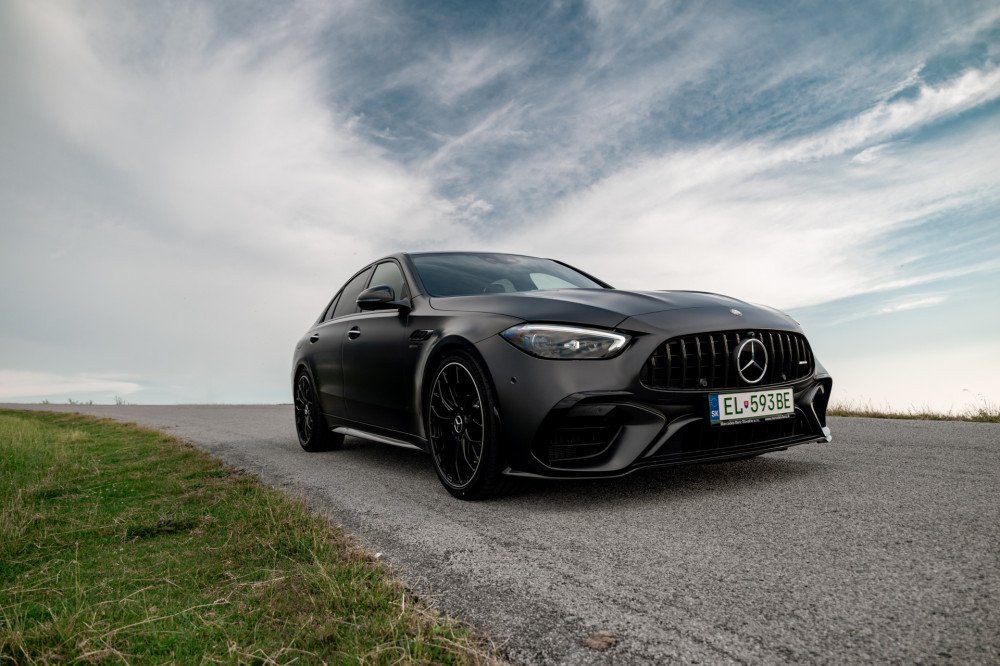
point(327, 340)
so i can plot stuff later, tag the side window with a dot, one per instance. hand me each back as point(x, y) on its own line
point(388, 273)
point(329, 311)
point(347, 304)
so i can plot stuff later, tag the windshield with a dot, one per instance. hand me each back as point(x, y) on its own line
point(462, 274)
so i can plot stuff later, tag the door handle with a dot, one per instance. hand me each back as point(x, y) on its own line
point(314, 337)
point(354, 333)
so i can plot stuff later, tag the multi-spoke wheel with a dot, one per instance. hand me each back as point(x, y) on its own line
point(314, 435)
point(462, 427)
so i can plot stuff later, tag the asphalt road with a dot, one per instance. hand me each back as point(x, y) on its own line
point(882, 547)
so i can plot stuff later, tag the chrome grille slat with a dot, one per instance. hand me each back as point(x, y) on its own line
point(684, 364)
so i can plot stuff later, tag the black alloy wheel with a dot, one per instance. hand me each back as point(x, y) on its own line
point(314, 435)
point(462, 425)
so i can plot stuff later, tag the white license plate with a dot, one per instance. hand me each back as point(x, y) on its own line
point(725, 407)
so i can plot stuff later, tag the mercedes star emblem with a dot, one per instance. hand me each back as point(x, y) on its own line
point(736, 312)
point(751, 360)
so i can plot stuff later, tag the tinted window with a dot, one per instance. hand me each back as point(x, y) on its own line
point(388, 274)
point(348, 298)
point(469, 274)
point(547, 281)
point(329, 311)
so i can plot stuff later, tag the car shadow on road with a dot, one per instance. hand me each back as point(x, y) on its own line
point(676, 483)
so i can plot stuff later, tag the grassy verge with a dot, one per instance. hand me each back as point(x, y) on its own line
point(120, 544)
point(984, 413)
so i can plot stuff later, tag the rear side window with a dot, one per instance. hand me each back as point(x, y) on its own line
point(347, 304)
point(388, 274)
point(329, 311)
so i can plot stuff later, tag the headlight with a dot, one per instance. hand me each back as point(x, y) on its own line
point(566, 342)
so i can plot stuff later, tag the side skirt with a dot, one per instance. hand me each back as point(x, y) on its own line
point(382, 439)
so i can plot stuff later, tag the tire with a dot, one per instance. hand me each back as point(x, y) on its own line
point(310, 426)
point(463, 430)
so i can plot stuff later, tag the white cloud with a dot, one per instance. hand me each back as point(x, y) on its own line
point(459, 68)
point(889, 119)
point(194, 207)
point(870, 154)
point(180, 197)
point(925, 302)
point(935, 276)
point(229, 140)
point(23, 384)
point(789, 223)
point(896, 305)
point(501, 124)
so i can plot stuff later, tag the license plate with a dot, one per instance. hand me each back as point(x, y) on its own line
point(725, 407)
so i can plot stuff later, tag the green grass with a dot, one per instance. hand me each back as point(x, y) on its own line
point(985, 412)
point(120, 544)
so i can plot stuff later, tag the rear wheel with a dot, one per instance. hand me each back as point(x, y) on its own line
point(462, 424)
point(314, 435)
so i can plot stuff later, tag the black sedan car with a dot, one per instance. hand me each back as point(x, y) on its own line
point(505, 366)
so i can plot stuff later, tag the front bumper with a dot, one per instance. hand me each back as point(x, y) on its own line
point(594, 419)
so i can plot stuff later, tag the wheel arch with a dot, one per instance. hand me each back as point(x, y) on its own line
point(445, 347)
point(298, 368)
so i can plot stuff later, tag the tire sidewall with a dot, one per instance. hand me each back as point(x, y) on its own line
point(489, 460)
point(321, 438)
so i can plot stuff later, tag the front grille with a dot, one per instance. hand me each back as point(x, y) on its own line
point(705, 361)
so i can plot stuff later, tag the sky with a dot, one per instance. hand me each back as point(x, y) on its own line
point(184, 185)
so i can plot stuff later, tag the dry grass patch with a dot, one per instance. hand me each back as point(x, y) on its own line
point(984, 412)
point(124, 545)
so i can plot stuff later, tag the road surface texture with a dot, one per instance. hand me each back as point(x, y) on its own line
point(882, 547)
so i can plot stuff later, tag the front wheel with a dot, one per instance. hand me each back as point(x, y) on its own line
point(314, 435)
point(462, 427)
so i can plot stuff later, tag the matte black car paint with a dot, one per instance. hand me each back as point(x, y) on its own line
point(372, 370)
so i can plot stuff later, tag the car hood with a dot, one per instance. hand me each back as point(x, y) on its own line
point(608, 308)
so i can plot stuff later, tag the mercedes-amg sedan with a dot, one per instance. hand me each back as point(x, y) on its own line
point(505, 366)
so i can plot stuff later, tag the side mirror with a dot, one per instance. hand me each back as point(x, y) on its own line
point(381, 297)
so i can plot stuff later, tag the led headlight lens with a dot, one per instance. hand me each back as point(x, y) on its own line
point(565, 342)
